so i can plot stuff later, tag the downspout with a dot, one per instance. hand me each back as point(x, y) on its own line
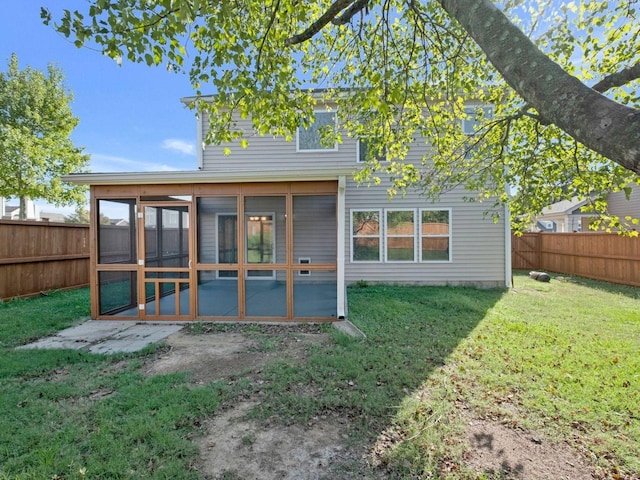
point(340, 206)
point(508, 274)
point(200, 141)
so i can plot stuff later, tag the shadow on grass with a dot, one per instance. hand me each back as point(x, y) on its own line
point(410, 332)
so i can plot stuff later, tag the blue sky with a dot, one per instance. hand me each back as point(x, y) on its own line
point(131, 117)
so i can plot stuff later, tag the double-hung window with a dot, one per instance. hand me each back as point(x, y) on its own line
point(400, 235)
point(311, 138)
point(435, 235)
point(366, 235)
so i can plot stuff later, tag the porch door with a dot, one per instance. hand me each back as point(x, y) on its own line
point(165, 274)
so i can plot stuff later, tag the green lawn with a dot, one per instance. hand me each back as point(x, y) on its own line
point(559, 358)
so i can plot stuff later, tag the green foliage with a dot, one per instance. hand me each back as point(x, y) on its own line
point(394, 71)
point(35, 145)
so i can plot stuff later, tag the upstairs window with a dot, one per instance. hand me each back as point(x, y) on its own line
point(363, 151)
point(310, 139)
point(474, 116)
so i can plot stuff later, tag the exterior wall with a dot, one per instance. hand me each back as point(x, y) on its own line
point(477, 249)
point(273, 153)
point(478, 244)
point(620, 206)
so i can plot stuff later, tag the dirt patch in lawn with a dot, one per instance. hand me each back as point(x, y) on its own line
point(238, 447)
point(234, 350)
point(516, 454)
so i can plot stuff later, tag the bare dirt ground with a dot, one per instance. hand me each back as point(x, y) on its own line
point(236, 447)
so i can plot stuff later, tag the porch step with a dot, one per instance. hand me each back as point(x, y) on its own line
point(345, 326)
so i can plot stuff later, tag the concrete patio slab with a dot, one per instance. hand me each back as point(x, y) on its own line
point(106, 336)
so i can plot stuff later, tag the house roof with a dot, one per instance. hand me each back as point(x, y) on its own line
point(208, 176)
point(565, 207)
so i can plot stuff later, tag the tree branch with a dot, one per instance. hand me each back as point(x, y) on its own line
point(618, 79)
point(331, 13)
point(346, 17)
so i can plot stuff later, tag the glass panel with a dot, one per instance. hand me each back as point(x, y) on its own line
point(117, 293)
point(218, 293)
point(311, 138)
point(166, 236)
point(266, 298)
point(400, 222)
point(315, 295)
point(260, 238)
point(314, 229)
point(435, 249)
point(366, 249)
point(217, 230)
point(435, 222)
point(365, 223)
point(117, 231)
point(400, 249)
point(265, 229)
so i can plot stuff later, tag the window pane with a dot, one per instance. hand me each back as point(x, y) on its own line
point(366, 249)
point(314, 228)
point(117, 293)
point(435, 222)
point(400, 223)
point(218, 293)
point(315, 295)
point(266, 298)
point(365, 223)
point(265, 229)
point(117, 231)
point(435, 249)
point(217, 230)
point(311, 138)
point(400, 249)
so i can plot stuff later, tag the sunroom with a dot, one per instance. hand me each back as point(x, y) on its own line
point(217, 246)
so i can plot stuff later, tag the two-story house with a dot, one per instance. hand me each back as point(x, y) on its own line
point(276, 232)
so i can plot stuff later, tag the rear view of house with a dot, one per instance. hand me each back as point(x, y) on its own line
point(276, 232)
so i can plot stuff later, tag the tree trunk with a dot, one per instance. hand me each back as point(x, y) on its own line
point(22, 212)
point(603, 125)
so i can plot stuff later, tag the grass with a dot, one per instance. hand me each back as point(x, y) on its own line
point(560, 359)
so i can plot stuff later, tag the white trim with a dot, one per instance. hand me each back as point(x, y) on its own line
point(449, 235)
point(246, 247)
point(380, 235)
point(340, 227)
point(200, 140)
point(209, 176)
point(387, 236)
point(317, 150)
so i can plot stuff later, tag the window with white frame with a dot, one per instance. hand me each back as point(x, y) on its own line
point(366, 235)
point(435, 235)
point(474, 115)
point(311, 138)
point(400, 235)
point(363, 152)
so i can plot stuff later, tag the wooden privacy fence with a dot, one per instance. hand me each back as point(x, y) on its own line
point(601, 256)
point(41, 256)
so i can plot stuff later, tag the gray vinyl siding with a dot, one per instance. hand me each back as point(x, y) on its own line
point(620, 206)
point(274, 153)
point(477, 249)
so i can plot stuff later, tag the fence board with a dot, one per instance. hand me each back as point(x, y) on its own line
point(601, 256)
point(41, 256)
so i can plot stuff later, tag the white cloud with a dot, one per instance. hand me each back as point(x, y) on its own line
point(186, 148)
point(109, 163)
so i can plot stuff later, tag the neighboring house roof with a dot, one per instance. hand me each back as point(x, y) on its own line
point(565, 207)
point(53, 217)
